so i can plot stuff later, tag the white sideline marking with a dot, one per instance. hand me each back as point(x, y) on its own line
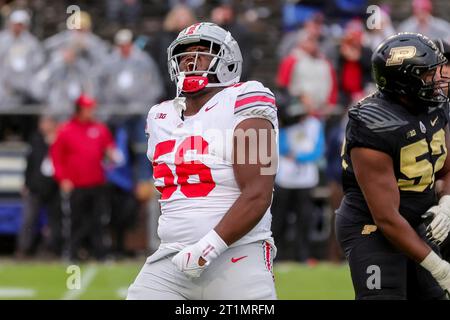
point(87, 276)
point(122, 292)
point(14, 292)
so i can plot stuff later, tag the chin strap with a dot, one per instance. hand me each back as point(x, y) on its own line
point(180, 105)
point(188, 84)
point(180, 102)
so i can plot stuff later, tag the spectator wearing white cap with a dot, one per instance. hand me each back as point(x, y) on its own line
point(129, 76)
point(21, 55)
point(93, 50)
point(422, 21)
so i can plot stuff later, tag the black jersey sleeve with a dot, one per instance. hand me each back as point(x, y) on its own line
point(372, 126)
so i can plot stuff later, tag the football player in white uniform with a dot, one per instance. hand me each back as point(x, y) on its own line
point(214, 155)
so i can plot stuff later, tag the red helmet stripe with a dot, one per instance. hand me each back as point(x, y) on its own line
point(192, 28)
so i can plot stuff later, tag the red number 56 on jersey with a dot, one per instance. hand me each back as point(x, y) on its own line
point(183, 169)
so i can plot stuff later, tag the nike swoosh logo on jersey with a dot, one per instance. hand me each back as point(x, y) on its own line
point(234, 260)
point(209, 108)
point(433, 122)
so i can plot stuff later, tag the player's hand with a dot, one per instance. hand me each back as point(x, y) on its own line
point(443, 277)
point(194, 259)
point(189, 261)
point(439, 226)
point(439, 269)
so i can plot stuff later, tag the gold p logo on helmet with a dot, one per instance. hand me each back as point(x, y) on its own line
point(399, 54)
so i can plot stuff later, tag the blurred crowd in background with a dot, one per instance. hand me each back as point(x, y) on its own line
point(314, 55)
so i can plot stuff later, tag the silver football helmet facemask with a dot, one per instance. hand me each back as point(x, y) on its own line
point(226, 63)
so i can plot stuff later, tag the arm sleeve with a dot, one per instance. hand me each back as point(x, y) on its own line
point(358, 134)
point(255, 101)
point(148, 120)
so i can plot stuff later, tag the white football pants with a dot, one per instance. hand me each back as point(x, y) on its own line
point(241, 273)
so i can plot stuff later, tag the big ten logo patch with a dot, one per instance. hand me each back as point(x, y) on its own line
point(160, 115)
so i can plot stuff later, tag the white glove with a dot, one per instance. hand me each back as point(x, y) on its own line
point(439, 269)
point(439, 227)
point(209, 248)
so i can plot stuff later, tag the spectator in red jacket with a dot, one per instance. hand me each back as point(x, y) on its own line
point(353, 64)
point(78, 155)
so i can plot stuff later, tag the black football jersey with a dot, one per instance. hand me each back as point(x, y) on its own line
point(415, 142)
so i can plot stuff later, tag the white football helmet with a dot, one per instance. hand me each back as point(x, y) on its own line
point(226, 63)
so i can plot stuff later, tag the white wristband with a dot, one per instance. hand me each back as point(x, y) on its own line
point(438, 268)
point(212, 245)
point(444, 204)
point(445, 200)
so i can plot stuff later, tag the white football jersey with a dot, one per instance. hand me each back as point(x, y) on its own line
point(192, 162)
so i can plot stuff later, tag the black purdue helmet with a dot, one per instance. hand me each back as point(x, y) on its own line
point(401, 60)
point(444, 47)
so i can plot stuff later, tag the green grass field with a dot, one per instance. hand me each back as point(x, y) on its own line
point(37, 280)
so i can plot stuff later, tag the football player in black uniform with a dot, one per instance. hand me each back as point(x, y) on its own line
point(444, 47)
point(395, 150)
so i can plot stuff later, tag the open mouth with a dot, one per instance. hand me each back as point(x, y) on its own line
point(190, 66)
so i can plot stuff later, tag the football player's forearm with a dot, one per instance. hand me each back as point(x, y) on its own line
point(398, 231)
point(443, 186)
point(243, 215)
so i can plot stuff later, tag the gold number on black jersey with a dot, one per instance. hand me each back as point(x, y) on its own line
point(415, 165)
